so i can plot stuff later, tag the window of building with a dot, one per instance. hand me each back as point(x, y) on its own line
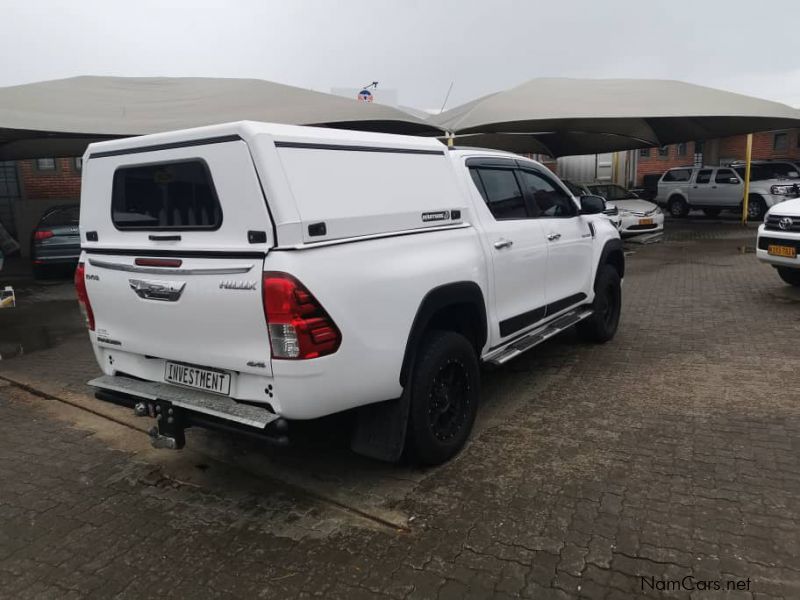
point(682, 149)
point(501, 193)
point(550, 199)
point(663, 152)
point(78, 163)
point(645, 152)
point(780, 141)
point(45, 164)
point(177, 195)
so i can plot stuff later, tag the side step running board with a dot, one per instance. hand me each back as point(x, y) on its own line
point(537, 336)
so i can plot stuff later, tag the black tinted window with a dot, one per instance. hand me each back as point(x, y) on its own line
point(757, 173)
point(551, 200)
point(502, 194)
point(61, 216)
point(678, 175)
point(703, 176)
point(177, 195)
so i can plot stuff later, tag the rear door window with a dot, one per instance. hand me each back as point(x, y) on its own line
point(703, 176)
point(165, 196)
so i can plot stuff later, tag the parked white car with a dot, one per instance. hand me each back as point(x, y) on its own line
point(636, 216)
point(779, 240)
point(714, 189)
point(244, 275)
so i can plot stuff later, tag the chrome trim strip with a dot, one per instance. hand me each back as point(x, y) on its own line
point(371, 236)
point(167, 270)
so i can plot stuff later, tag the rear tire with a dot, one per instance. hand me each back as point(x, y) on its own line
point(444, 388)
point(602, 325)
point(712, 212)
point(790, 276)
point(678, 207)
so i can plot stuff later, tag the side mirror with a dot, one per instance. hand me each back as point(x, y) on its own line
point(734, 180)
point(592, 205)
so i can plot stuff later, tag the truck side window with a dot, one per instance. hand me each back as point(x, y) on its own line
point(725, 176)
point(703, 176)
point(550, 199)
point(501, 193)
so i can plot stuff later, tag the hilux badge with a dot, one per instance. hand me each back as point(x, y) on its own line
point(238, 285)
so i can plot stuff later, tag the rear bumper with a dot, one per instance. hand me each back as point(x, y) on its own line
point(176, 409)
point(221, 407)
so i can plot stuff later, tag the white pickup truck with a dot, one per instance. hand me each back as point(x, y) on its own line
point(245, 275)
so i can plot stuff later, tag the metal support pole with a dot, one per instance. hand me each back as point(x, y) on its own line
point(450, 140)
point(747, 158)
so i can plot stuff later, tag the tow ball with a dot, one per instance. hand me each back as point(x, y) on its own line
point(168, 432)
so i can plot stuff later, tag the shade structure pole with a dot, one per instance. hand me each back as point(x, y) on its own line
point(450, 137)
point(748, 155)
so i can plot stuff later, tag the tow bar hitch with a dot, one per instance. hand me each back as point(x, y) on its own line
point(168, 431)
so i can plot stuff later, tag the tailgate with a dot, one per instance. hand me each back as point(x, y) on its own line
point(175, 242)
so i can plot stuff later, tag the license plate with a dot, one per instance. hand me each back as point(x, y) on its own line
point(787, 251)
point(645, 221)
point(198, 378)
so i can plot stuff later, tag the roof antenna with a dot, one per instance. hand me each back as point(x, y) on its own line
point(447, 95)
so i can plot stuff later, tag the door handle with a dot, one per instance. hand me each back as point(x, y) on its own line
point(713, 187)
point(552, 237)
point(503, 243)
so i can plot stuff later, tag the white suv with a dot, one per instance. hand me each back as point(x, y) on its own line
point(714, 189)
point(779, 240)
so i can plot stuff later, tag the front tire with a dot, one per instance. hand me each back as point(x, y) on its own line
point(444, 390)
point(678, 207)
point(790, 276)
point(756, 208)
point(607, 306)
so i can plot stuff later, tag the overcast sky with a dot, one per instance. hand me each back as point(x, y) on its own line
point(417, 47)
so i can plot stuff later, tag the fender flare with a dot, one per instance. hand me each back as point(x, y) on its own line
point(613, 247)
point(459, 292)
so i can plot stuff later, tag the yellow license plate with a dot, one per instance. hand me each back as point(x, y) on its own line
point(645, 221)
point(786, 251)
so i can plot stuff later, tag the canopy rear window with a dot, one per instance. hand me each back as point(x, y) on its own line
point(165, 196)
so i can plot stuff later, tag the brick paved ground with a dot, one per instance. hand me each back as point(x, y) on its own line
point(673, 451)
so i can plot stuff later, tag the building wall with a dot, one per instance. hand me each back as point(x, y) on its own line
point(41, 190)
point(766, 145)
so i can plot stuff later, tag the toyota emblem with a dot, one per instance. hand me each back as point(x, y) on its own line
point(785, 223)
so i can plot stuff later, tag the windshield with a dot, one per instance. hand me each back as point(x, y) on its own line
point(757, 173)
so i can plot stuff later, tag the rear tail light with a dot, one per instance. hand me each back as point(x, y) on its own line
point(42, 235)
point(299, 328)
point(83, 296)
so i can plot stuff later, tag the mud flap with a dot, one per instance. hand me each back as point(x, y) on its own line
point(380, 431)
